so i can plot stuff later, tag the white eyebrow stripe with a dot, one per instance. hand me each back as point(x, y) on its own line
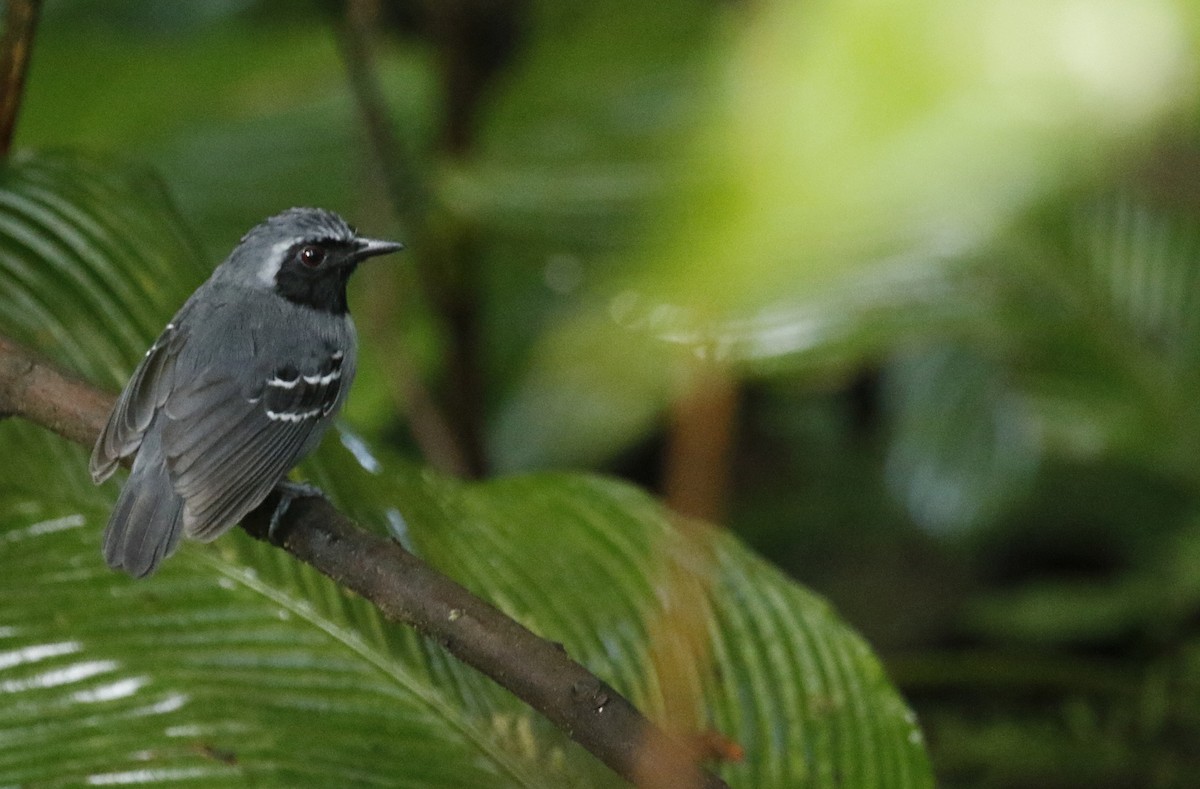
point(273, 262)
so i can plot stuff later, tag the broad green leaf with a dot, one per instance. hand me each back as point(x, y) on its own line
point(92, 261)
point(236, 664)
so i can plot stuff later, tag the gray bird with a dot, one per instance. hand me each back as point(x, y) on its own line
point(238, 388)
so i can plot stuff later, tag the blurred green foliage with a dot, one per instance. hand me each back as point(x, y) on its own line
point(950, 252)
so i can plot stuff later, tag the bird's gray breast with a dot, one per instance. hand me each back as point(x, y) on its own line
point(296, 363)
point(257, 328)
point(305, 360)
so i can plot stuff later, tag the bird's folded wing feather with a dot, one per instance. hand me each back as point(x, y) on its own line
point(227, 444)
point(134, 411)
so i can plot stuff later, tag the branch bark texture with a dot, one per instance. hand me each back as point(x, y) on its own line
point(403, 587)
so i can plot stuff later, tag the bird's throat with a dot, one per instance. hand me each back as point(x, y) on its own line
point(323, 291)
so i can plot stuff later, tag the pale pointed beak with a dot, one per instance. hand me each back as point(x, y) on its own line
point(370, 247)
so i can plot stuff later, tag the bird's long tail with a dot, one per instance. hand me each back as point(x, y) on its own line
point(148, 520)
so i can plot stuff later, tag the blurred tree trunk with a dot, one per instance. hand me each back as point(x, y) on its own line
point(19, 25)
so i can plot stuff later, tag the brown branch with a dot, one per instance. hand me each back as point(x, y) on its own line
point(404, 588)
point(19, 26)
point(32, 388)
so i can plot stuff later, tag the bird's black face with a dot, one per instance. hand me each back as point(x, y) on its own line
point(314, 273)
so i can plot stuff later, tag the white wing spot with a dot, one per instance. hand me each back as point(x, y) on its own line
point(285, 384)
point(323, 380)
point(292, 416)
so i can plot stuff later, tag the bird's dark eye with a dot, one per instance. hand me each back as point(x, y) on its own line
point(312, 256)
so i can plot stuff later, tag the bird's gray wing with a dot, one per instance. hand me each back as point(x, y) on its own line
point(145, 393)
point(227, 445)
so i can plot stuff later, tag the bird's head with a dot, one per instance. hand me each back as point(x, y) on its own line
point(305, 255)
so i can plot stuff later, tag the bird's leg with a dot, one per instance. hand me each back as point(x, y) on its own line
point(289, 492)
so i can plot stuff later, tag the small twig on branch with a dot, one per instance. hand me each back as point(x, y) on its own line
point(404, 588)
point(19, 25)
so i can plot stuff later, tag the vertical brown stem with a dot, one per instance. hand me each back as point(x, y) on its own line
point(453, 271)
point(681, 660)
point(406, 188)
point(19, 25)
point(407, 191)
point(696, 477)
point(696, 485)
point(474, 39)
